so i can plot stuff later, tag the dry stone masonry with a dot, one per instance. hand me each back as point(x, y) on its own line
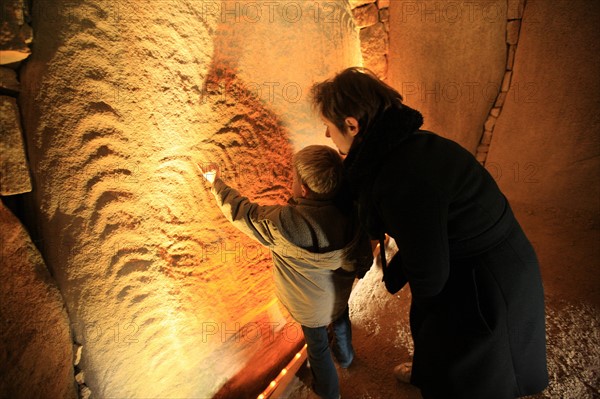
point(372, 18)
point(15, 37)
point(513, 26)
point(35, 357)
point(15, 32)
point(14, 172)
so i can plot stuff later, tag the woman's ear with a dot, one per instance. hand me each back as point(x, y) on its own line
point(352, 126)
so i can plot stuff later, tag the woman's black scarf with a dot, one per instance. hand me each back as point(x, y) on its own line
point(362, 166)
point(379, 139)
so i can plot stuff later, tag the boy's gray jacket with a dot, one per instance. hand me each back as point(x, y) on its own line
point(317, 251)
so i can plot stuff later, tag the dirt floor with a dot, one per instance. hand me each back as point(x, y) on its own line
point(567, 245)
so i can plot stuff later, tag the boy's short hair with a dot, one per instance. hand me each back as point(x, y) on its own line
point(320, 168)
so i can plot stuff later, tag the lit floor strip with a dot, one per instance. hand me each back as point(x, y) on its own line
point(278, 385)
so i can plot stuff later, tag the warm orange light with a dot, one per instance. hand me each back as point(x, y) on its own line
point(183, 294)
point(281, 381)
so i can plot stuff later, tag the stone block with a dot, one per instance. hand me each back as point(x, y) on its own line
point(446, 58)
point(512, 32)
point(11, 56)
point(500, 100)
point(14, 33)
point(550, 116)
point(377, 64)
point(483, 148)
point(26, 33)
point(36, 350)
point(506, 81)
point(106, 180)
point(77, 349)
point(384, 15)
point(358, 3)
point(85, 392)
point(510, 61)
point(8, 80)
point(366, 15)
point(495, 112)
point(490, 122)
point(375, 45)
point(80, 377)
point(515, 9)
point(383, 3)
point(487, 137)
point(14, 170)
point(374, 40)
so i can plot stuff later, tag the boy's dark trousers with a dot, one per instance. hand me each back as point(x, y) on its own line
point(325, 376)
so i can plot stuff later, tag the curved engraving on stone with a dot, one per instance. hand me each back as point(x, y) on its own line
point(167, 298)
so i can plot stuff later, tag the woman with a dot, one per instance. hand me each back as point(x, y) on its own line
point(477, 311)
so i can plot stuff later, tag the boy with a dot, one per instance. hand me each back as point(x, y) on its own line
point(317, 251)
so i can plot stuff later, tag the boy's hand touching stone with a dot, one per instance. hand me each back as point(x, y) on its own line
point(210, 171)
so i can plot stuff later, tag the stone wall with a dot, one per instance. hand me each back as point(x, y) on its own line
point(37, 349)
point(15, 32)
point(373, 19)
point(544, 151)
point(15, 37)
point(164, 297)
point(448, 60)
point(513, 26)
point(120, 101)
point(545, 145)
point(37, 353)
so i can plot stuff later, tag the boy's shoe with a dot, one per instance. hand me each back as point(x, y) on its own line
point(403, 372)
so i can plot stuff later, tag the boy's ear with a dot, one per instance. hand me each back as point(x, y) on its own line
point(352, 126)
point(305, 190)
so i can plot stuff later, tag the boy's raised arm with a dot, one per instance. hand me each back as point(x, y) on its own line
point(250, 218)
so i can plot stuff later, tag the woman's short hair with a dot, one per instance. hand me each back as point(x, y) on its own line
point(354, 92)
point(320, 168)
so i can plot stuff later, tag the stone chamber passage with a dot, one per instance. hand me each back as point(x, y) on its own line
point(120, 278)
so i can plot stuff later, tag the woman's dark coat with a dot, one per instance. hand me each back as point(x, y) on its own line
point(477, 312)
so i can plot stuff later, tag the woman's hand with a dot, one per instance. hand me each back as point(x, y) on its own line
point(210, 171)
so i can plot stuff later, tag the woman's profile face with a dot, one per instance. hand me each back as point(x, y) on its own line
point(342, 140)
